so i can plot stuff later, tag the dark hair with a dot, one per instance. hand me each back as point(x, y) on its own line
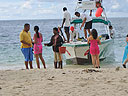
point(64, 9)
point(37, 31)
point(56, 29)
point(110, 26)
point(94, 33)
point(98, 2)
point(77, 13)
point(26, 24)
point(127, 36)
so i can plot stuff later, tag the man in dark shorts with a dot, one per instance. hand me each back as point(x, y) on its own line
point(87, 21)
point(66, 23)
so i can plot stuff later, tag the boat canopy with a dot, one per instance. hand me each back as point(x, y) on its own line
point(88, 5)
point(96, 20)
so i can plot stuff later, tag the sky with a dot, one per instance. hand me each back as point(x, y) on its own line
point(52, 9)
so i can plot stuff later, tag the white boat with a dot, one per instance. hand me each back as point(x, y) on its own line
point(78, 52)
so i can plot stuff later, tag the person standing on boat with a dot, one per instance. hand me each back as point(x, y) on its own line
point(125, 57)
point(26, 45)
point(87, 21)
point(66, 23)
point(56, 42)
point(99, 10)
point(94, 48)
point(38, 39)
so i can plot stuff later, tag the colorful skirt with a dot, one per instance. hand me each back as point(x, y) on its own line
point(37, 49)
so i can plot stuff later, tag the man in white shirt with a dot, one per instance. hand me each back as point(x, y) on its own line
point(112, 31)
point(87, 21)
point(66, 23)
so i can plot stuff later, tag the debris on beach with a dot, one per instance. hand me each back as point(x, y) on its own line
point(90, 70)
point(51, 78)
point(64, 73)
point(118, 68)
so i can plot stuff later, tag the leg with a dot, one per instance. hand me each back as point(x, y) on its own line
point(68, 37)
point(93, 61)
point(97, 61)
point(85, 33)
point(30, 58)
point(89, 31)
point(67, 33)
point(25, 52)
point(55, 65)
point(126, 61)
point(55, 60)
point(37, 61)
point(30, 63)
point(26, 64)
point(42, 60)
point(61, 65)
point(59, 56)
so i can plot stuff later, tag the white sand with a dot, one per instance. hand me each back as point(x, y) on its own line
point(66, 82)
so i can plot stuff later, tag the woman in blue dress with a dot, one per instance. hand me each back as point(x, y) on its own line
point(125, 57)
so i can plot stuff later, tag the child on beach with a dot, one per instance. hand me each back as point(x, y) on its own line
point(125, 57)
point(56, 42)
point(38, 46)
point(94, 48)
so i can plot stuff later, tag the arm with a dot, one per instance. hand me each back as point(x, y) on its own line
point(83, 23)
point(41, 37)
point(88, 40)
point(90, 12)
point(25, 43)
point(61, 42)
point(22, 40)
point(63, 22)
point(35, 39)
point(62, 34)
point(51, 43)
point(64, 19)
point(126, 39)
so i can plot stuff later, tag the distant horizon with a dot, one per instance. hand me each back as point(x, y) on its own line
point(49, 19)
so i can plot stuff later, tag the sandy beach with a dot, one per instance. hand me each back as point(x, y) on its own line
point(66, 82)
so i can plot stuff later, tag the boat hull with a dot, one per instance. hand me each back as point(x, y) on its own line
point(78, 53)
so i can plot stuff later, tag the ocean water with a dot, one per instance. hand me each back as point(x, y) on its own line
point(12, 58)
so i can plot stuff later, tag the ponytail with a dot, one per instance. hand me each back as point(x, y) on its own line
point(36, 29)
